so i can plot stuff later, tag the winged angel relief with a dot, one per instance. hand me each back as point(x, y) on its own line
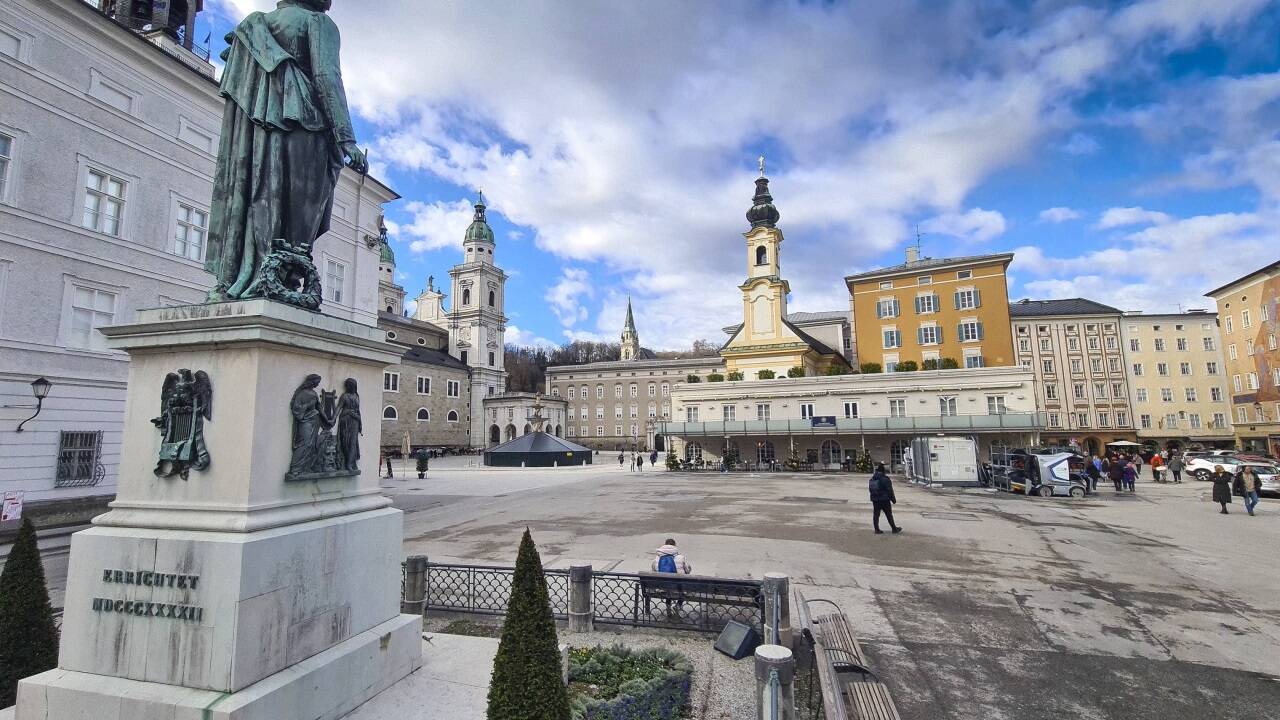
point(185, 403)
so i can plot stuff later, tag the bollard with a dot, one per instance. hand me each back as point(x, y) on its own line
point(777, 609)
point(414, 601)
point(564, 663)
point(581, 610)
point(775, 683)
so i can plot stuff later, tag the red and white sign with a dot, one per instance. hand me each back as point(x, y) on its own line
point(12, 509)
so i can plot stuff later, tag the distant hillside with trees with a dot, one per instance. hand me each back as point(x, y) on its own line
point(527, 365)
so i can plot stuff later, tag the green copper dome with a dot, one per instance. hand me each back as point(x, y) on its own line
point(387, 255)
point(479, 230)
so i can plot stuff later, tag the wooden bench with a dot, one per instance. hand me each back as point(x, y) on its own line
point(849, 688)
point(702, 590)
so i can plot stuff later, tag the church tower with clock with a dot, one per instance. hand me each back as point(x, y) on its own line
point(476, 322)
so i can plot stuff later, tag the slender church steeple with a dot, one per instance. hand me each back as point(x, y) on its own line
point(630, 338)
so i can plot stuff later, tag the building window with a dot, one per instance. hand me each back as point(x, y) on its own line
point(1184, 368)
point(1077, 367)
point(462, 356)
point(1050, 392)
point(573, 393)
point(886, 284)
point(1253, 381)
point(1211, 368)
point(1104, 419)
point(927, 303)
point(424, 385)
point(635, 392)
point(653, 390)
point(452, 416)
point(1142, 395)
point(1180, 344)
point(1045, 344)
point(964, 274)
point(452, 388)
point(1134, 345)
point(1047, 366)
point(729, 413)
point(6, 158)
point(947, 406)
point(806, 411)
point(851, 409)
point(1248, 348)
point(78, 459)
point(1117, 390)
point(617, 392)
point(389, 412)
point(1275, 376)
point(928, 335)
point(1170, 421)
point(1194, 419)
point(691, 414)
point(493, 299)
point(897, 407)
point(334, 278)
point(1111, 342)
point(1228, 324)
point(1162, 369)
point(1242, 414)
point(1159, 344)
point(1093, 343)
point(1100, 390)
point(892, 339)
point(974, 361)
point(1113, 364)
point(600, 412)
point(600, 392)
point(189, 237)
point(1073, 344)
point(391, 382)
point(1246, 319)
point(1024, 345)
point(1077, 391)
point(887, 308)
point(466, 296)
point(1235, 383)
point(995, 405)
point(1215, 394)
point(967, 299)
point(924, 280)
point(599, 431)
point(424, 415)
point(1219, 421)
point(1082, 419)
point(666, 390)
point(1231, 352)
point(970, 331)
point(1209, 344)
point(103, 203)
point(91, 309)
point(1166, 395)
point(1122, 419)
point(1137, 369)
point(1144, 421)
point(1054, 420)
point(762, 412)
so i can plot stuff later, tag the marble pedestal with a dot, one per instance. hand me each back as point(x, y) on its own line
point(235, 593)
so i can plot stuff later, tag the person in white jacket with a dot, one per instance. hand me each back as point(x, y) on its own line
point(674, 562)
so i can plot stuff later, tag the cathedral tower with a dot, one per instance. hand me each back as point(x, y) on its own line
point(477, 324)
point(630, 339)
point(390, 294)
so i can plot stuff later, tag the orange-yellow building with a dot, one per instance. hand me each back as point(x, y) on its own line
point(1249, 311)
point(934, 310)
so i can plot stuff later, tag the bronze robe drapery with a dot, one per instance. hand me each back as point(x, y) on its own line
point(280, 152)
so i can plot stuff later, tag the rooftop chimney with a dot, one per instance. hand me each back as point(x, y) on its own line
point(913, 254)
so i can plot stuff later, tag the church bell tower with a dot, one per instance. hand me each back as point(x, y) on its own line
point(630, 338)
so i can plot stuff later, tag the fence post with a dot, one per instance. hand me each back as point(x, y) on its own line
point(414, 601)
point(777, 609)
point(581, 609)
point(775, 683)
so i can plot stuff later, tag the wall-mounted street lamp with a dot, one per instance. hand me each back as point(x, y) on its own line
point(40, 389)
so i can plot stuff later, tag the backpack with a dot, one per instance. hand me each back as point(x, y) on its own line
point(667, 564)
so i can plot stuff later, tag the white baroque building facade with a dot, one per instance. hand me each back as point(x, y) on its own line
point(107, 152)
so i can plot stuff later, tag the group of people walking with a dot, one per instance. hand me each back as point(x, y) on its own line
point(1121, 470)
point(1226, 485)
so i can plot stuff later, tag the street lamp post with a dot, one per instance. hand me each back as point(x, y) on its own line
point(40, 389)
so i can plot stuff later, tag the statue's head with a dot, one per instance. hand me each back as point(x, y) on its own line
point(317, 5)
point(311, 381)
point(349, 386)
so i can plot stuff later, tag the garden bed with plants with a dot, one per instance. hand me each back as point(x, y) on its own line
point(618, 683)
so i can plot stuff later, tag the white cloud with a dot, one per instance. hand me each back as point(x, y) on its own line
point(519, 336)
point(1081, 144)
point(565, 298)
point(434, 225)
point(1122, 216)
point(976, 224)
point(1058, 215)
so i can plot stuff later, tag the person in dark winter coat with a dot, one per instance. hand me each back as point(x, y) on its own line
point(1115, 471)
point(882, 499)
point(1222, 481)
point(1093, 472)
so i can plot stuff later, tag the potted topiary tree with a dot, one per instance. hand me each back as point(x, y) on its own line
point(870, 368)
point(526, 682)
point(949, 364)
point(766, 374)
point(907, 366)
point(693, 378)
point(796, 372)
point(930, 364)
point(28, 636)
point(837, 370)
point(735, 376)
point(715, 377)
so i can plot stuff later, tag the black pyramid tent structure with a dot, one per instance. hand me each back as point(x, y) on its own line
point(537, 449)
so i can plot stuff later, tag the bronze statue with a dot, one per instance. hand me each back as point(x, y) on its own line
point(285, 134)
point(186, 401)
point(349, 427)
point(317, 453)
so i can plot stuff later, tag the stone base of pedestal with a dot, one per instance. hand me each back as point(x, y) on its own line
point(323, 687)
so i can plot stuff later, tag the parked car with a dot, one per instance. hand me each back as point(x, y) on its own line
point(1267, 476)
point(1269, 485)
point(1202, 467)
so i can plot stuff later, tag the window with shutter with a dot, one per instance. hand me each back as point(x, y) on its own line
point(977, 297)
point(980, 331)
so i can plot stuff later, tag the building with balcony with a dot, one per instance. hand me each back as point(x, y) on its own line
point(1177, 380)
point(1247, 309)
point(933, 312)
point(823, 420)
point(1074, 348)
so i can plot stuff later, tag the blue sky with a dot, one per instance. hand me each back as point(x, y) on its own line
point(1127, 152)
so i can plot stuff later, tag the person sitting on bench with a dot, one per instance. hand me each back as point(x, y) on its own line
point(668, 559)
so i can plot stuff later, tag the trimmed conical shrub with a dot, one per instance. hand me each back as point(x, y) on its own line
point(28, 637)
point(526, 683)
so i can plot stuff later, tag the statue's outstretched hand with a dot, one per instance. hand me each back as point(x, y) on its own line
point(355, 157)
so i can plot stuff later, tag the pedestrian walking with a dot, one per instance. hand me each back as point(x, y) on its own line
point(1115, 471)
point(883, 499)
point(1093, 471)
point(1137, 463)
point(389, 475)
point(639, 463)
point(653, 458)
point(1221, 487)
point(1249, 485)
point(1131, 476)
point(1175, 467)
point(1157, 468)
point(620, 459)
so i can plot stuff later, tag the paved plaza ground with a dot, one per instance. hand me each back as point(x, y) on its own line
point(988, 606)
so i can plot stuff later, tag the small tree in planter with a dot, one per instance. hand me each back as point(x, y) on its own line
point(766, 375)
point(28, 636)
point(526, 683)
point(949, 364)
point(693, 378)
point(673, 463)
point(930, 364)
point(796, 372)
point(870, 368)
point(907, 366)
point(837, 370)
point(715, 377)
point(735, 376)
